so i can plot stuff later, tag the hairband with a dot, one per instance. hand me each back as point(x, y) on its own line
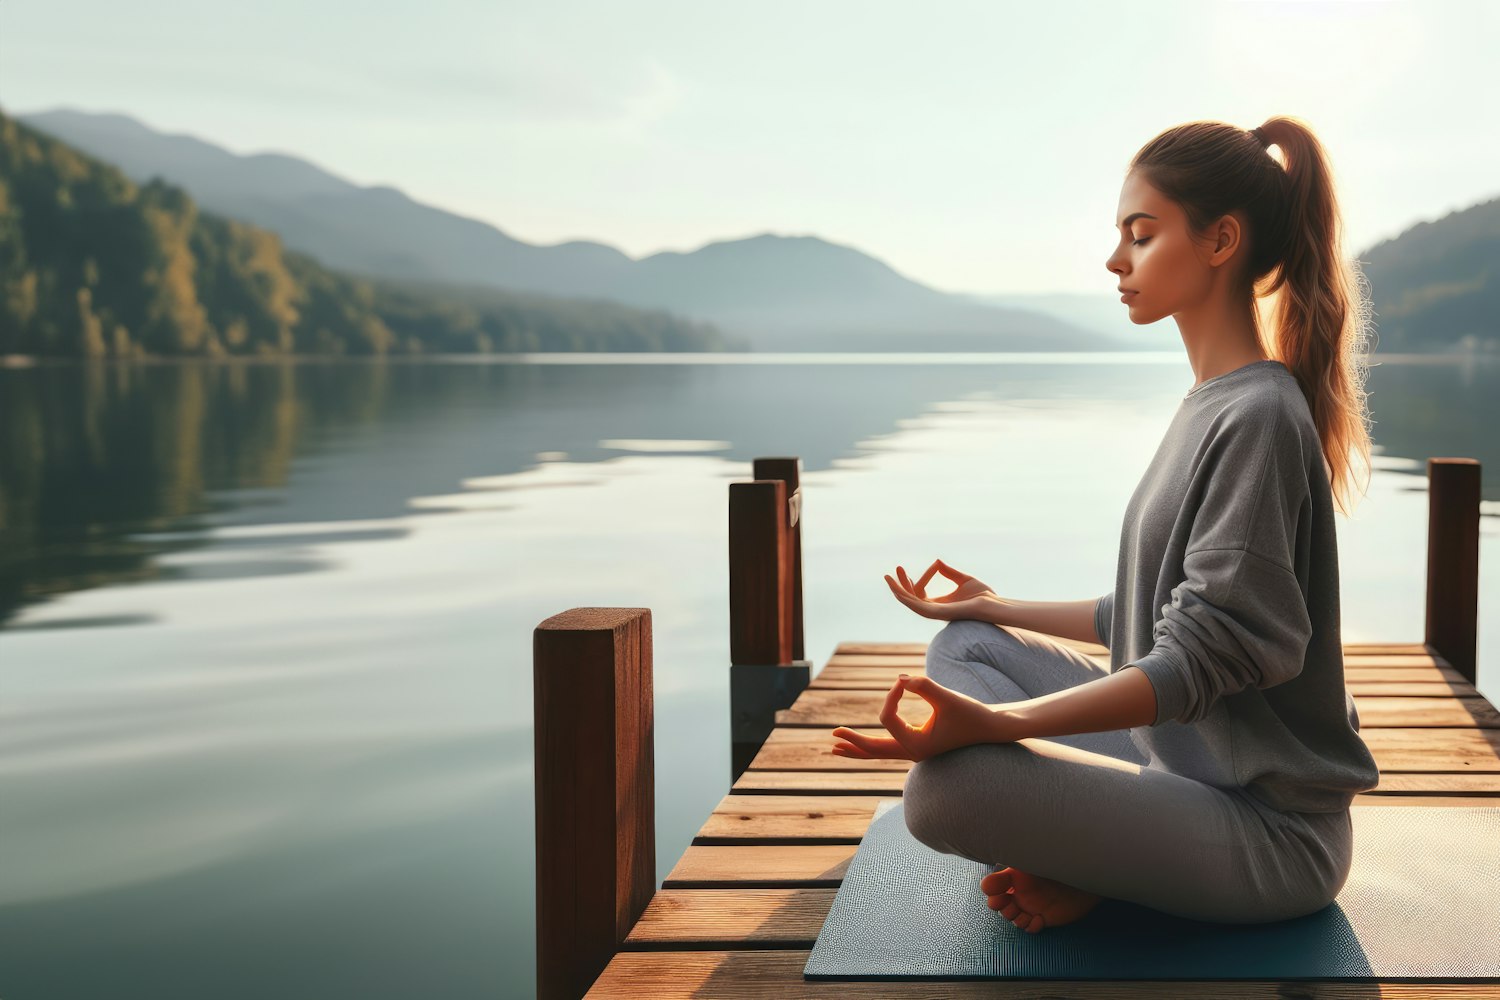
point(1260, 137)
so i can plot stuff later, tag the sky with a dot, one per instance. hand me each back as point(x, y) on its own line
point(974, 147)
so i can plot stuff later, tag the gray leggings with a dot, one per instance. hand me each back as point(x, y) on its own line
point(1087, 810)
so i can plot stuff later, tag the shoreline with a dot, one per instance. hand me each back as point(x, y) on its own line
point(17, 361)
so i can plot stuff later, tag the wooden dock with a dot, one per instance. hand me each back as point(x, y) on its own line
point(740, 911)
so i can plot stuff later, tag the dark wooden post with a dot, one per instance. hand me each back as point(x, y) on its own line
point(1453, 562)
point(595, 790)
point(760, 620)
point(788, 470)
point(764, 675)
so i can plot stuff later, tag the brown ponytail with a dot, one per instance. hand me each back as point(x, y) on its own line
point(1321, 318)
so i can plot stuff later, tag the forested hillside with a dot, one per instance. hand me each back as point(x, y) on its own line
point(1437, 285)
point(95, 265)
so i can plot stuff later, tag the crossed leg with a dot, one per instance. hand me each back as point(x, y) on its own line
point(1087, 810)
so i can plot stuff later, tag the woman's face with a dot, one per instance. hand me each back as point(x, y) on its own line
point(1155, 258)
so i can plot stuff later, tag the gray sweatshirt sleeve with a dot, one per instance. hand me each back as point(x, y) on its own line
point(1239, 617)
point(1104, 616)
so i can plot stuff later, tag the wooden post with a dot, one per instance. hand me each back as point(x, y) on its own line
point(760, 620)
point(1453, 562)
point(788, 470)
point(595, 790)
point(764, 676)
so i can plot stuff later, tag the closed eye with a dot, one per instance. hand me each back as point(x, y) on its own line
point(1142, 240)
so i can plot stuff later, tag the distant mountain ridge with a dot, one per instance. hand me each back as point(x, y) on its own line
point(1435, 287)
point(781, 292)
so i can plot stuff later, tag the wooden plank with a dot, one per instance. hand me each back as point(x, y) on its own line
point(821, 782)
point(892, 783)
point(732, 918)
point(880, 648)
point(890, 661)
point(1402, 675)
point(800, 748)
point(1411, 689)
point(1399, 749)
point(1394, 661)
point(680, 975)
point(826, 708)
point(1389, 648)
point(1410, 713)
point(1486, 801)
point(751, 819)
point(787, 866)
point(1435, 783)
point(1434, 681)
point(910, 648)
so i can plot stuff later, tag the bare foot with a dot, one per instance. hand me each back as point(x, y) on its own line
point(1032, 902)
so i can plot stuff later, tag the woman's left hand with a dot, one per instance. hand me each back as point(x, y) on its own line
point(956, 721)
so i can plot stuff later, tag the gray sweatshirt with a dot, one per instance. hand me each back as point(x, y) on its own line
point(1227, 598)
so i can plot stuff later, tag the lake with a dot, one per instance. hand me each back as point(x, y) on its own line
point(265, 628)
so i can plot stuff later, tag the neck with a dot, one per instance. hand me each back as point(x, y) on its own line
point(1220, 337)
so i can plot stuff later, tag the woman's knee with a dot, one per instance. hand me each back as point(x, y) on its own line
point(953, 653)
point(958, 637)
point(962, 632)
point(938, 799)
point(927, 801)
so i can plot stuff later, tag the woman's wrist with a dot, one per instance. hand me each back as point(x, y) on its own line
point(1008, 722)
point(997, 610)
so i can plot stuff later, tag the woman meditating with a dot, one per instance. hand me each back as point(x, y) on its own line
point(1208, 771)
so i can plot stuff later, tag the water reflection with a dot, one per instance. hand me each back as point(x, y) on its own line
point(98, 461)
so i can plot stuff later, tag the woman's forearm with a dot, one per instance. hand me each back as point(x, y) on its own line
point(1068, 619)
point(1123, 700)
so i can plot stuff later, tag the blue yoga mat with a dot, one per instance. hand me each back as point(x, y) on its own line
point(1422, 902)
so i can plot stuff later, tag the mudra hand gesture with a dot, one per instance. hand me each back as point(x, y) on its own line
point(956, 721)
point(972, 598)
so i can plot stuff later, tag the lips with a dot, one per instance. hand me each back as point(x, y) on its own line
point(1126, 294)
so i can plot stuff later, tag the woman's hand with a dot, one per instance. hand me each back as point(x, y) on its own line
point(972, 599)
point(957, 721)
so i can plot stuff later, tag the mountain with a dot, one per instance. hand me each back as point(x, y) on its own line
point(93, 264)
point(1437, 285)
point(782, 292)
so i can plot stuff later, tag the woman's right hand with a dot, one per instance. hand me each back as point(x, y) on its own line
point(972, 598)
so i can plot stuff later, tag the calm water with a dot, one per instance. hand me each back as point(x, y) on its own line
point(265, 629)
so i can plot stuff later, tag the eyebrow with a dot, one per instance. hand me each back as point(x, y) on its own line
point(1133, 216)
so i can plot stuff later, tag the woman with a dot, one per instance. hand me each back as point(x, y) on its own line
point(1208, 772)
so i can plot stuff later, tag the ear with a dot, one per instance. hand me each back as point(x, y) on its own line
point(1229, 238)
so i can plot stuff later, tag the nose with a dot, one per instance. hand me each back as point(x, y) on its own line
point(1112, 262)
